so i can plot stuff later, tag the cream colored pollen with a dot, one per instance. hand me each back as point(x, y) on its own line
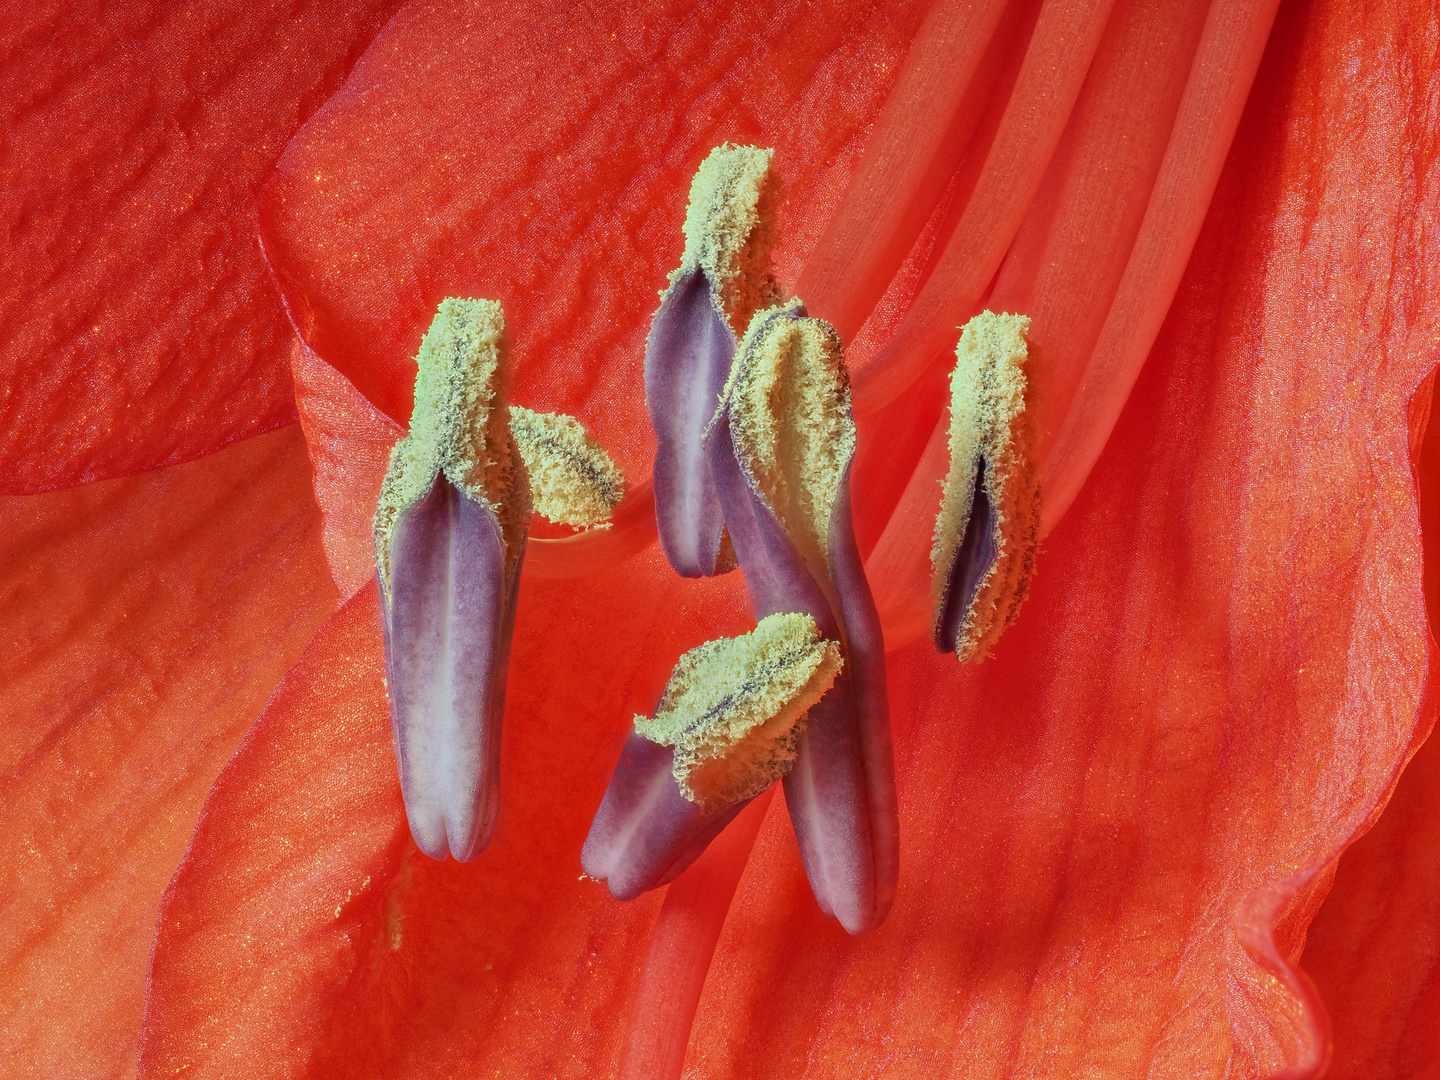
point(789, 398)
point(988, 421)
point(729, 231)
point(572, 479)
point(734, 708)
point(460, 426)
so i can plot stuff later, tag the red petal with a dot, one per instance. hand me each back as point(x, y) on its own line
point(1374, 948)
point(350, 442)
point(137, 327)
point(146, 620)
point(552, 181)
point(1115, 831)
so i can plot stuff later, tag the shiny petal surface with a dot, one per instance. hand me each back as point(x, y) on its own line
point(146, 620)
point(137, 327)
point(1374, 948)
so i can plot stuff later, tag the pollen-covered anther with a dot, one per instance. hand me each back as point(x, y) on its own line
point(734, 708)
point(450, 533)
point(459, 427)
point(730, 231)
point(724, 276)
point(790, 420)
point(988, 529)
point(572, 480)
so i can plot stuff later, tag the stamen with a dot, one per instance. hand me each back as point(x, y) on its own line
point(734, 708)
point(989, 523)
point(572, 479)
point(724, 276)
point(780, 452)
point(730, 232)
point(450, 532)
point(789, 402)
point(725, 729)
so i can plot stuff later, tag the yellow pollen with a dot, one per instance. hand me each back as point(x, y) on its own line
point(729, 231)
point(789, 398)
point(459, 426)
point(734, 708)
point(989, 429)
point(572, 479)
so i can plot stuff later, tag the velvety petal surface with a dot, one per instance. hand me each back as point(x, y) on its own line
point(1114, 833)
point(146, 620)
point(137, 327)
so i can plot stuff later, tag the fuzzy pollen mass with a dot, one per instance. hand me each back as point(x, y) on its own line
point(724, 276)
point(572, 480)
point(450, 531)
point(734, 708)
point(730, 232)
point(988, 529)
point(790, 421)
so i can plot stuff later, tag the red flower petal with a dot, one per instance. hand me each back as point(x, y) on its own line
point(137, 328)
point(146, 620)
point(1115, 831)
point(1374, 948)
point(350, 442)
point(549, 181)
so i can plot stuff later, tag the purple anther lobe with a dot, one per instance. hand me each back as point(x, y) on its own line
point(449, 615)
point(687, 360)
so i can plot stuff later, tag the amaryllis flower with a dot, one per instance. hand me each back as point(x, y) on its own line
point(1116, 831)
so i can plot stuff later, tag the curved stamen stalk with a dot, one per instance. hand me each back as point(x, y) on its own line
point(780, 453)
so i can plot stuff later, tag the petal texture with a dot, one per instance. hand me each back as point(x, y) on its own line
point(137, 328)
point(1117, 829)
point(146, 621)
point(556, 182)
point(1374, 948)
